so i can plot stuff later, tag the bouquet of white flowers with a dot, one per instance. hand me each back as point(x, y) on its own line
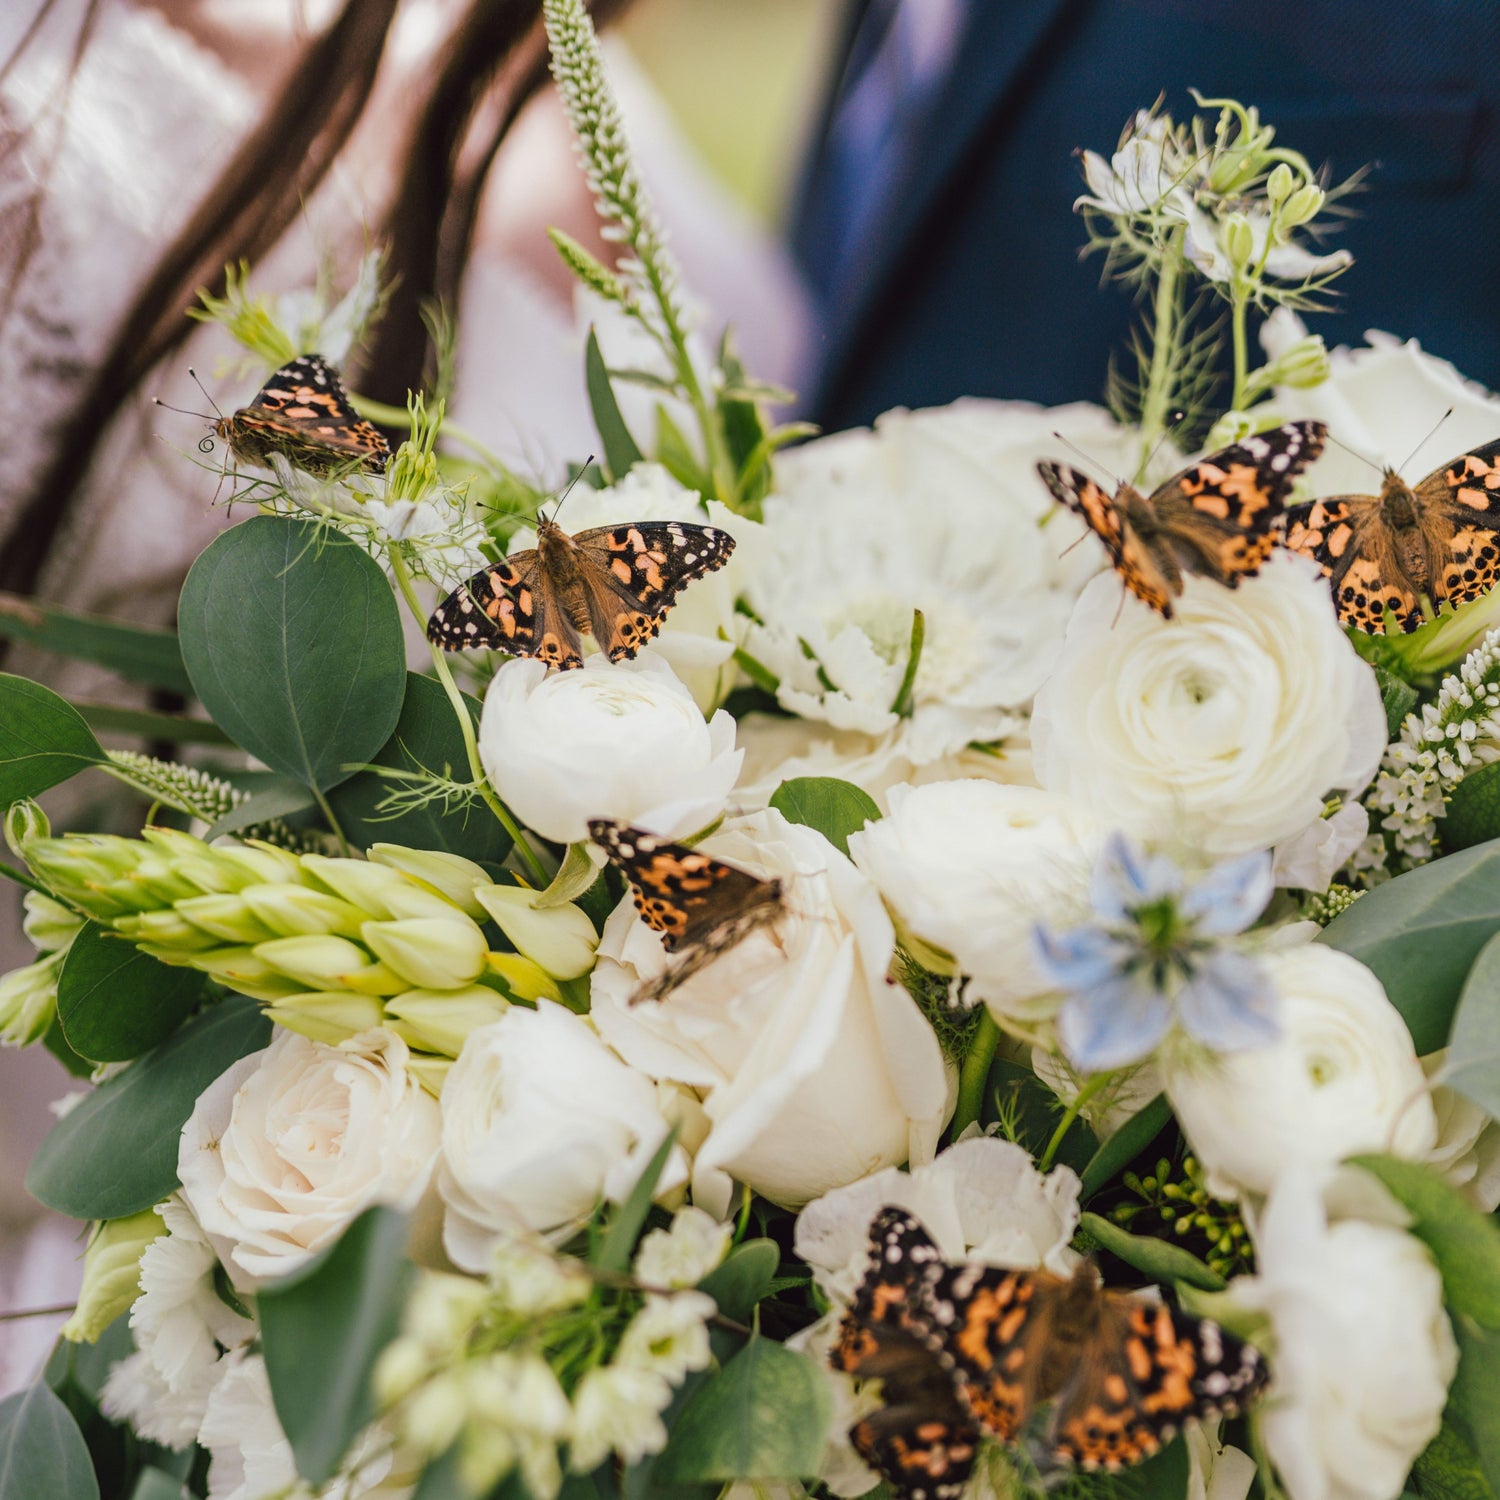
point(831, 977)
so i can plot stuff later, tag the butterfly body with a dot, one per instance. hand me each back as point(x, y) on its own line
point(616, 583)
point(303, 413)
point(699, 906)
point(1116, 1375)
point(1217, 517)
point(1438, 541)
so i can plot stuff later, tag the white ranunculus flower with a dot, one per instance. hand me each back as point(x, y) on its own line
point(847, 568)
point(540, 1121)
point(1342, 1078)
point(291, 1144)
point(814, 1068)
point(1364, 1352)
point(697, 640)
point(970, 867)
point(609, 740)
point(1224, 728)
point(1467, 1151)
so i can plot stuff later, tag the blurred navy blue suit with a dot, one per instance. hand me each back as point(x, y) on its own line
point(968, 280)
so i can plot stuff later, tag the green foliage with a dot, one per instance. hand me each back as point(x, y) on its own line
point(835, 808)
point(115, 1002)
point(1396, 693)
point(1473, 811)
point(1421, 932)
point(1448, 1470)
point(1028, 1112)
point(1474, 1397)
point(116, 1152)
point(1161, 1260)
point(280, 798)
point(621, 453)
point(43, 740)
point(1473, 1062)
point(744, 1276)
point(42, 1452)
point(1125, 1145)
point(134, 652)
point(292, 639)
point(323, 1329)
point(624, 1227)
point(765, 1416)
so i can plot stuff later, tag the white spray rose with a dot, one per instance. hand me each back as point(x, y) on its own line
point(814, 1068)
point(1224, 728)
point(609, 740)
point(541, 1120)
point(1364, 1352)
point(291, 1144)
point(970, 867)
point(1343, 1077)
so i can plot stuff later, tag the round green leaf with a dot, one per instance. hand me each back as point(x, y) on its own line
point(43, 740)
point(743, 1278)
point(292, 639)
point(835, 808)
point(115, 1002)
point(1473, 1062)
point(42, 1452)
point(1473, 813)
point(116, 1153)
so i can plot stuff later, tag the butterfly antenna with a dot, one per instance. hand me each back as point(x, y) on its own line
point(204, 389)
point(572, 485)
point(1364, 458)
point(1088, 458)
point(1174, 425)
point(1420, 446)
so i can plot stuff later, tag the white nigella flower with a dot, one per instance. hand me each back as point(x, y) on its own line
point(668, 1335)
point(1150, 173)
point(684, 1254)
point(617, 1408)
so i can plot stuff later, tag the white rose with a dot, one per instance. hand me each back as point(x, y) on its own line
point(1224, 728)
point(291, 1144)
point(1467, 1151)
point(814, 1068)
point(1364, 1352)
point(541, 1120)
point(610, 740)
point(697, 640)
point(970, 867)
point(1342, 1078)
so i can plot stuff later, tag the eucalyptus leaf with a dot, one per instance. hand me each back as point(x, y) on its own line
point(283, 797)
point(835, 808)
point(147, 724)
point(293, 642)
point(1397, 695)
point(135, 652)
point(1464, 1242)
point(116, 1152)
point(1125, 1145)
point(1421, 932)
point(765, 1416)
point(322, 1330)
point(1161, 1260)
point(1473, 1062)
point(42, 1452)
point(1474, 1397)
point(1473, 812)
point(43, 740)
point(115, 1002)
point(743, 1277)
point(620, 451)
point(1448, 1469)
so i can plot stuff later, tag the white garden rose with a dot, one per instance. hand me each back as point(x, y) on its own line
point(1342, 1078)
point(610, 740)
point(540, 1121)
point(814, 1067)
point(970, 867)
point(291, 1144)
point(1363, 1350)
point(697, 639)
point(1223, 729)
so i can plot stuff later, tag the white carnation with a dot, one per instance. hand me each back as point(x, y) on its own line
point(669, 1336)
point(683, 1254)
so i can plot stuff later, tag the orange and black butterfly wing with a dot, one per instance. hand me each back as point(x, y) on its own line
point(1220, 515)
point(631, 576)
point(509, 606)
point(920, 1440)
point(1349, 540)
point(1129, 555)
point(1147, 1369)
point(1458, 509)
point(303, 413)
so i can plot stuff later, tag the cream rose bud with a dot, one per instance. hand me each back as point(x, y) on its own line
point(813, 1066)
point(609, 740)
point(1342, 1078)
point(291, 1144)
point(1224, 728)
point(970, 867)
point(1364, 1353)
point(540, 1121)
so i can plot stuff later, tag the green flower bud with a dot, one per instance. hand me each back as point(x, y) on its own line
point(1304, 365)
point(85, 869)
point(28, 1001)
point(25, 821)
point(1280, 184)
point(1305, 204)
point(449, 875)
point(49, 924)
point(298, 911)
point(434, 953)
point(111, 1273)
point(165, 931)
point(225, 917)
point(1238, 239)
point(523, 978)
point(1232, 427)
point(327, 1016)
point(430, 1072)
point(330, 963)
point(559, 938)
point(441, 1020)
point(381, 892)
point(401, 1368)
point(241, 970)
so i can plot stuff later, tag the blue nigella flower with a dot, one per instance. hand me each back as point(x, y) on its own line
point(1154, 957)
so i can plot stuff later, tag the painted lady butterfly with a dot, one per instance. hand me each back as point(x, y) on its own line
point(1216, 517)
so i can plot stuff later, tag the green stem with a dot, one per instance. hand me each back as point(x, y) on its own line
point(1087, 1092)
point(1156, 405)
point(398, 416)
point(974, 1073)
point(11, 873)
point(1239, 307)
point(402, 574)
point(333, 822)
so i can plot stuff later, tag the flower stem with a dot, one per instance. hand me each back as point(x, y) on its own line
point(1087, 1092)
point(402, 574)
point(975, 1073)
point(9, 872)
point(1160, 380)
point(1239, 307)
